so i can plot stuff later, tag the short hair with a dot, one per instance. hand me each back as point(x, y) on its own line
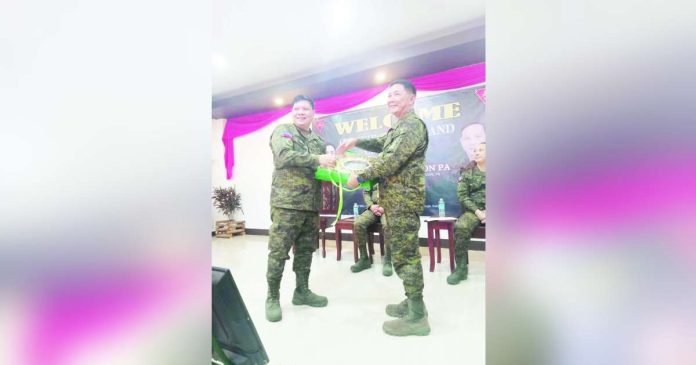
point(406, 84)
point(305, 98)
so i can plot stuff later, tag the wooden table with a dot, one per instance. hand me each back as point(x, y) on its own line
point(435, 224)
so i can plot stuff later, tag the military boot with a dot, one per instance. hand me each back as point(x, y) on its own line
point(273, 312)
point(415, 323)
point(363, 262)
point(398, 310)
point(387, 266)
point(304, 296)
point(461, 272)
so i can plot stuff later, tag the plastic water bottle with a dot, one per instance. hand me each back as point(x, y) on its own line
point(355, 209)
point(441, 207)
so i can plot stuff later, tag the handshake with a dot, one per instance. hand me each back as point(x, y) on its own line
point(329, 160)
point(326, 174)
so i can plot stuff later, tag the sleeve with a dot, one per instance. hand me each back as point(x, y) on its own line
point(463, 193)
point(372, 144)
point(367, 197)
point(409, 136)
point(284, 155)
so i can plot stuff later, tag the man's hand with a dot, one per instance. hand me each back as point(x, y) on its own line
point(327, 160)
point(377, 210)
point(352, 181)
point(481, 215)
point(346, 145)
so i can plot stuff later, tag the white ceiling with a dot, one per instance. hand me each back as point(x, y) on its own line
point(257, 44)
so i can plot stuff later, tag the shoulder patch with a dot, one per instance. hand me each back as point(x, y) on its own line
point(287, 135)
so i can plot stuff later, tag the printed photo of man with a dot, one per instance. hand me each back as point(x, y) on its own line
point(471, 137)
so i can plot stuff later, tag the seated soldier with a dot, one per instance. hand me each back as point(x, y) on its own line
point(471, 192)
point(362, 223)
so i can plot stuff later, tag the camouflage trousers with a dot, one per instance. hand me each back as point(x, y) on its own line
point(401, 233)
point(290, 227)
point(361, 224)
point(463, 228)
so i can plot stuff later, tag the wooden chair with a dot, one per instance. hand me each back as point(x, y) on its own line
point(480, 232)
point(347, 225)
point(327, 212)
point(435, 224)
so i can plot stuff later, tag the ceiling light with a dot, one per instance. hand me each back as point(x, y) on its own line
point(380, 77)
point(278, 101)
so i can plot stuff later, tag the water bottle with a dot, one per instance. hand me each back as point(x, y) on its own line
point(355, 209)
point(441, 207)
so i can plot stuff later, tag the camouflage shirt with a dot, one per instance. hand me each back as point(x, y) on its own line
point(400, 165)
point(295, 158)
point(471, 189)
point(371, 196)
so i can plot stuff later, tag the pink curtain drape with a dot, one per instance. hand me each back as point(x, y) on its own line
point(446, 80)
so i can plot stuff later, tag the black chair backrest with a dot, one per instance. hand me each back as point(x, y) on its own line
point(234, 335)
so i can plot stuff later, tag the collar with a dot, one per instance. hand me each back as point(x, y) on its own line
point(411, 112)
point(304, 134)
point(408, 114)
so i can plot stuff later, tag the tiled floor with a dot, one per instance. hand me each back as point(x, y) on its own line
point(349, 329)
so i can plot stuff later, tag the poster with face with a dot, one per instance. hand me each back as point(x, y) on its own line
point(456, 126)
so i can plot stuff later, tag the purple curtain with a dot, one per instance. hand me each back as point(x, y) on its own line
point(240, 126)
point(451, 79)
point(446, 80)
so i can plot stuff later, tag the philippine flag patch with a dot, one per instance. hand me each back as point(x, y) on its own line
point(287, 135)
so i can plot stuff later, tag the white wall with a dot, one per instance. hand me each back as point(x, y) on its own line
point(251, 175)
point(254, 168)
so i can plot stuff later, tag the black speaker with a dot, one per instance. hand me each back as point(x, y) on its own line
point(235, 340)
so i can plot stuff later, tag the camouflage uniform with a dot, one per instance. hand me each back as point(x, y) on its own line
point(295, 200)
point(400, 169)
point(360, 226)
point(471, 192)
point(365, 219)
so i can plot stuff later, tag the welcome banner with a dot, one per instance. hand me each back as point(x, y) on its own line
point(456, 126)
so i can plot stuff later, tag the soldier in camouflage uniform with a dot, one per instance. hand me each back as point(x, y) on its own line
point(371, 215)
point(400, 168)
point(295, 201)
point(471, 192)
